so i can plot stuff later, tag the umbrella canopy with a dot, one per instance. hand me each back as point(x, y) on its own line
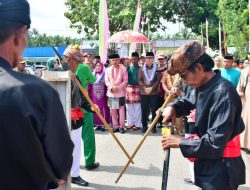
point(128, 36)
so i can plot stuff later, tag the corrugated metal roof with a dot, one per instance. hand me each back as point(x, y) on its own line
point(42, 51)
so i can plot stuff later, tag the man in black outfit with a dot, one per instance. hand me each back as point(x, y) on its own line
point(218, 121)
point(35, 145)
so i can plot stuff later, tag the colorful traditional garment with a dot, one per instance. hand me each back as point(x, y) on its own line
point(85, 75)
point(117, 77)
point(98, 92)
point(133, 94)
point(133, 98)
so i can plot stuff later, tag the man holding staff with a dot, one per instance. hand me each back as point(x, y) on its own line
point(218, 123)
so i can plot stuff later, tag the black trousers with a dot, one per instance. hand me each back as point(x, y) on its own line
point(148, 102)
point(160, 102)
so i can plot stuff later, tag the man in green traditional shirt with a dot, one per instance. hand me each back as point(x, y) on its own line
point(133, 104)
point(86, 76)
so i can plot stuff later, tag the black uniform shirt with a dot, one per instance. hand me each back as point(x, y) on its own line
point(218, 120)
point(35, 145)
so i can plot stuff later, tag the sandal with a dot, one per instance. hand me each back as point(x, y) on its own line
point(135, 128)
point(130, 127)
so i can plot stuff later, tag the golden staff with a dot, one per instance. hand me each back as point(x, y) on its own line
point(167, 101)
point(101, 118)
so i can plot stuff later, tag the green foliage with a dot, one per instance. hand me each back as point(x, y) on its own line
point(36, 39)
point(234, 16)
point(84, 14)
point(194, 12)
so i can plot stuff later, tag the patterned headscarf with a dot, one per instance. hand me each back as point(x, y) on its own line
point(185, 56)
point(102, 67)
point(74, 51)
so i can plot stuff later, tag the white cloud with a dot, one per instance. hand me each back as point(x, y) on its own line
point(47, 16)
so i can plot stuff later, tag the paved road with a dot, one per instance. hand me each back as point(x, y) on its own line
point(146, 173)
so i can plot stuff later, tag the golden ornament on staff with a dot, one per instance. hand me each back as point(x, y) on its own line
point(167, 101)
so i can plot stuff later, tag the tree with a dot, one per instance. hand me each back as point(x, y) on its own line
point(37, 39)
point(84, 14)
point(234, 16)
point(194, 12)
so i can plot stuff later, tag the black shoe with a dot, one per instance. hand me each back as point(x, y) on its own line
point(153, 130)
point(159, 125)
point(122, 131)
point(115, 130)
point(79, 181)
point(92, 166)
point(103, 129)
point(144, 129)
point(97, 128)
point(188, 181)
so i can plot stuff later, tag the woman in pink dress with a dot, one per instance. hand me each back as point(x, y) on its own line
point(98, 92)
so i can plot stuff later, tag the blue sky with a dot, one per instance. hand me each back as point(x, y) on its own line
point(48, 17)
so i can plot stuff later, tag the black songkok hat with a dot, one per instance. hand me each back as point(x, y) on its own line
point(17, 11)
point(135, 54)
point(113, 56)
point(97, 57)
point(228, 57)
point(150, 54)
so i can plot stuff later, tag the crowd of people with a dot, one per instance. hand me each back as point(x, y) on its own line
point(128, 93)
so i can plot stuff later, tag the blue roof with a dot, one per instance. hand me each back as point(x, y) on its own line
point(43, 51)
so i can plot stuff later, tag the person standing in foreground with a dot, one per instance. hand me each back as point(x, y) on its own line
point(149, 81)
point(86, 76)
point(218, 164)
point(73, 56)
point(116, 79)
point(35, 147)
point(133, 98)
point(98, 92)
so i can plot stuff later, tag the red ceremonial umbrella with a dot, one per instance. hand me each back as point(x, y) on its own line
point(128, 36)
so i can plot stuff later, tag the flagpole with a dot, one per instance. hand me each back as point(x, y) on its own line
point(207, 33)
point(248, 25)
point(220, 38)
point(103, 30)
point(201, 34)
point(136, 26)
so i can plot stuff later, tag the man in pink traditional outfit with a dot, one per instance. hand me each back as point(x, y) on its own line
point(116, 80)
